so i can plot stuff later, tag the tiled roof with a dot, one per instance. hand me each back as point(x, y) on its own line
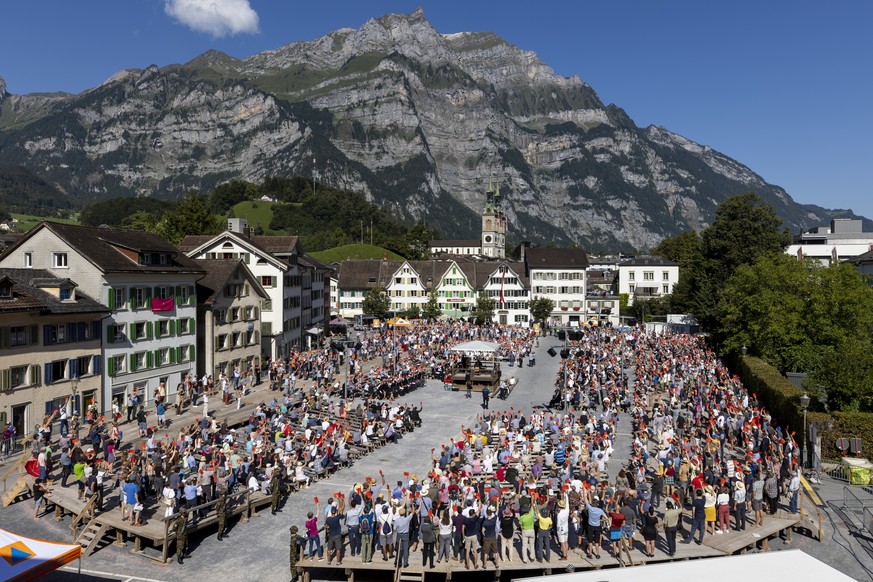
point(542, 258)
point(26, 296)
point(218, 272)
point(192, 242)
point(276, 244)
point(101, 247)
point(648, 261)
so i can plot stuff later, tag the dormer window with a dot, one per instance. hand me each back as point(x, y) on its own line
point(5, 291)
point(145, 259)
point(66, 294)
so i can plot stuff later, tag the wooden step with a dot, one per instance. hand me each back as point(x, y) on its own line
point(90, 537)
point(13, 492)
point(410, 576)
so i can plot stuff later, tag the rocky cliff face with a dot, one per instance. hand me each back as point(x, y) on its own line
point(418, 120)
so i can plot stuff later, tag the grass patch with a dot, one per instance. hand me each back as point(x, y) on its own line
point(28, 221)
point(257, 213)
point(353, 251)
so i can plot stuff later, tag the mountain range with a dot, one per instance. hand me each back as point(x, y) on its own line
point(420, 122)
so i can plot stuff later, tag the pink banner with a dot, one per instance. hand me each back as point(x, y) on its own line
point(163, 304)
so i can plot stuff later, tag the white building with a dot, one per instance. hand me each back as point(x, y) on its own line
point(149, 337)
point(559, 275)
point(229, 300)
point(460, 248)
point(844, 239)
point(647, 276)
point(278, 275)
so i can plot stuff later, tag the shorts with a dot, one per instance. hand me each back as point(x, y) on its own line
point(615, 535)
point(563, 536)
point(757, 504)
point(627, 531)
point(143, 426)
point(594, 534)
point(41, 501)
point(471, 543)
point(385, 540)
point(334, 543)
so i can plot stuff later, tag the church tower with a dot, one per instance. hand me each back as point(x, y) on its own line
point(493, 225)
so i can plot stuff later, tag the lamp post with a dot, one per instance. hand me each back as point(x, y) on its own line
point(744, 350)
point(74, 388)
point(804, 404)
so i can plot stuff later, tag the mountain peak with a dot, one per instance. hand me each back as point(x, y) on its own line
point(2, 88)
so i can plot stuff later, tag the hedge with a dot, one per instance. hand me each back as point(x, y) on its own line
point(782, 399)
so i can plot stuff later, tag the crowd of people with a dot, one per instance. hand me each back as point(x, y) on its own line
point(524, 485)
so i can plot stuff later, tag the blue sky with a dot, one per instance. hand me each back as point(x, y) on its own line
point(784, 87)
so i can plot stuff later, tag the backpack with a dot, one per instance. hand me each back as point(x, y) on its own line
point(365, 525)
point(386, 528)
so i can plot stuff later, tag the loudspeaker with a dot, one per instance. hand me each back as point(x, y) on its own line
point(562, 335)
point(565, 353)
point(552, 352)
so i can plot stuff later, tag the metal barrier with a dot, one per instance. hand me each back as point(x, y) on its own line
point(858, 501)
point(834, 469)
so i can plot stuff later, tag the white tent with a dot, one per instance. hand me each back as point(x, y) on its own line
point(25, 559)
point(476, 346)
point(793, 565)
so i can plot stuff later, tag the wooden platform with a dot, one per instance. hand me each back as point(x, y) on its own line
point(155, 531)
point(713, 546)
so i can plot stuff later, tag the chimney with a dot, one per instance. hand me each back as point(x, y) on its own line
point(523, 246)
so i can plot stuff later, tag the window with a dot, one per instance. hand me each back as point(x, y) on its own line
point(163, 328)
point(139, 330)
point(251, 338)
point(17, 336)
point(221, 344)
point(521, 318)
point(83, 365)
point(251, 313)
point(118, 365)
point(237, 339)
point(58, 370)
point(183, 326)
point(648, 276)
point(665, 289)
point(234, 314)
point(18, 376)
point(66, 294)
point(162, 356)
point(183, 294)
point(163, 292)
point(120, 298)
point(59, 260)
point(221, 315)
point(266, 305)
point(139, 360)
point(268, 281)
point(665, 276)
point(140, 297)
point(58, 333)
point(116, 332)
point(632, 287)
point(28, 260)
point(631, 276)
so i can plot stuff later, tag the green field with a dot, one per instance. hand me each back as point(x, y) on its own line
point(257, 213)
point(354, 251)
point(28, 221)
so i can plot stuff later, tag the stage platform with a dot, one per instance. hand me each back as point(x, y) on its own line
point(713, 546)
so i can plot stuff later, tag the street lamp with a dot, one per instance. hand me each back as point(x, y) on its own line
point(74, 388)
point(804, 404)
point(744, 350)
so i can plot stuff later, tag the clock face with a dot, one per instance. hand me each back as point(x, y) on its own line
point(488, 238)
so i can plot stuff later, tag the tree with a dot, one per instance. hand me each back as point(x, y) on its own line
point(541, 309)
point(377, 303)
point(191, 216)
point(684, 248)
point(413, 312)
point(141, 220)
point(844, 374)
point(484, 308)
point(745, 228)
point(432, 307)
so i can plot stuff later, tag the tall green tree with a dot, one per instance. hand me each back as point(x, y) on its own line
point(684, 248)
point(541, 308)
point(485, 307)
point(377, 303)
point(432, 307)
point(745, 228)
point(191, 216)
point(844, 374)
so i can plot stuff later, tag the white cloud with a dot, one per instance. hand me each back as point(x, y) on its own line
point(216, 17)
